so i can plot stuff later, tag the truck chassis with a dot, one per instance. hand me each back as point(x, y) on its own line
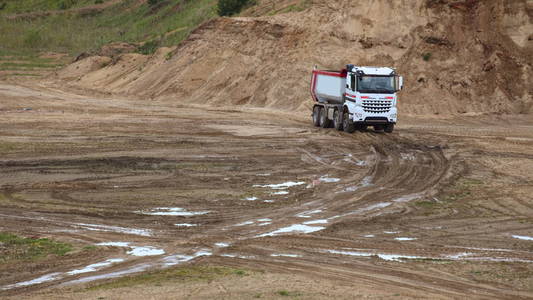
point(328, 115)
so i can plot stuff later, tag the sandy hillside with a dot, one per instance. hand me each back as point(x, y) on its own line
point(479, 56)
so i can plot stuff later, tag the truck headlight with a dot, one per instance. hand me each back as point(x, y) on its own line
point(393, 116)
point(358, 115)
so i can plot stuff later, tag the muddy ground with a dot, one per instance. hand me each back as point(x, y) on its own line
point(442, 208)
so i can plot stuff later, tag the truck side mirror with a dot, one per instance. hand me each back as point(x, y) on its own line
point(400, 83)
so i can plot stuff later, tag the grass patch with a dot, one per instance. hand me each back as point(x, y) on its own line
point(148, 48)
point(6, 147)
point(25, 75)
point(181, 274)
point(286, 293)
point(29, 6)
point(13, 247)
point(462, 189)
point(8, 65)
point(125, 21)
point(89, 248)
point(453, 195)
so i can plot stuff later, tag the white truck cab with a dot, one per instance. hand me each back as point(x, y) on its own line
point(356, 97)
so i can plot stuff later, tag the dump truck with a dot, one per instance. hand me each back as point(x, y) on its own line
point(355, 98)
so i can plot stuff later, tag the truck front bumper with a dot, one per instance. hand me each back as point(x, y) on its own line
point(361, 117)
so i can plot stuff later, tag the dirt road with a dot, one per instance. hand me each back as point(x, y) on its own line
point(439, 209)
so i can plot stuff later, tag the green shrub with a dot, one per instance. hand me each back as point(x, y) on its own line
point(230, 7)
point(426, 56)
point(66, 4)
point(33, 39)
point(148, 48)
point(20, 248)
point(3, 5)
point(153, 2)
point(98, 1)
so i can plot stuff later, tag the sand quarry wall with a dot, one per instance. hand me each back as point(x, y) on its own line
point(481, 56)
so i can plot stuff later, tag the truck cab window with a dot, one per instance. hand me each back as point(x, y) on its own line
point(352, 82)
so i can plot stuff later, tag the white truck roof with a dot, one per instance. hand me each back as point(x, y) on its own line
point(374, 70)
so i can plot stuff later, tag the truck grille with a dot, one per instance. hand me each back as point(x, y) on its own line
point(377, 106)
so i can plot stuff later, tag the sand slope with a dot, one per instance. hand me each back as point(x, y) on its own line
point(481, 56)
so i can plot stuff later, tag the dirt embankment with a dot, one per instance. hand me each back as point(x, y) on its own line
point(457, 56)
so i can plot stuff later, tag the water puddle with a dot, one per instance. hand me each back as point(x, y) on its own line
point(388, 257)
point(95, 267)
point(222, 245)
point(172, 211)
point(459, 255)
point(260, 222)
point(186, 225)
point(391, 232)
point(135, 269)
point(307, 214)
point(244, 223)
point(523, 237)
point(145, 251)
point(361, 163)
point(485, 249)
point(369, 236)
point(285, 255)
point(408, 198)
point(464, 256)
point(238, 256)
point(180, 258)
point(296, 228)
point(405, 239)
point(280, 186)
point(365, 182)
point(322, 221)
point(135, 250)
point(38, 280)
point(328, 179)
point(251, 198)
point(107, 228)
point(280, 193)
point(407, 156)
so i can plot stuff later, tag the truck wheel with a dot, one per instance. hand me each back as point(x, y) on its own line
point(389, 128)
point(337, 120)
point(347, 123)
point(316, 115)
point(324, 121)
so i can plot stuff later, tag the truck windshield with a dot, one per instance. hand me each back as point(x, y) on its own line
point(376, 84)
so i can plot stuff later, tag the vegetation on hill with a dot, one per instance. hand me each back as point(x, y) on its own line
point(75, 26)
point(231, 7)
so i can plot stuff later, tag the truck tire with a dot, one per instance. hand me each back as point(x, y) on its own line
point(347, 123)
point(337, 120)
point(324, 121)
point(389, 128)
point(316, 115)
